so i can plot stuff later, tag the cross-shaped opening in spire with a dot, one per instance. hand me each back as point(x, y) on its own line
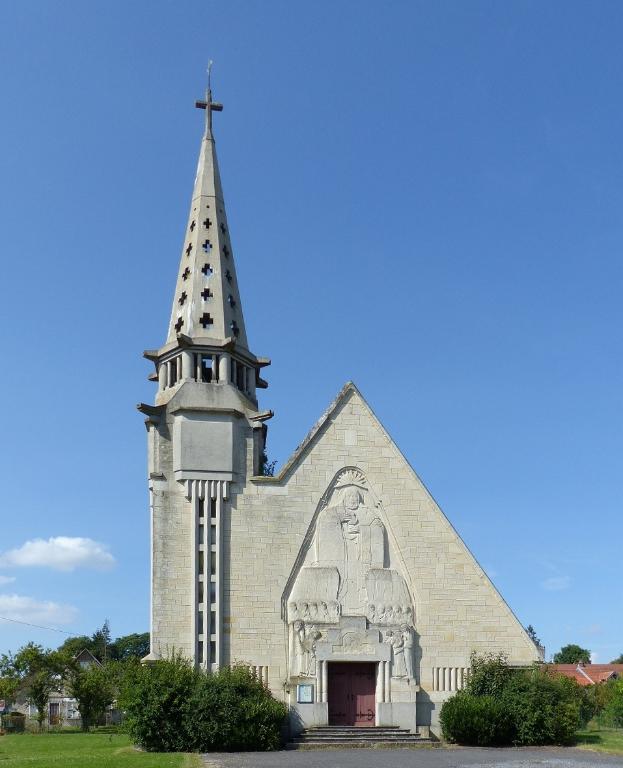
point(234, 328)
point(207, 223)
point(207, 270)
point(189, 248)
point(228, 276)
point(206, 294)
point(206, 320)
point(223, 228)
point(226, 251)
point(182, 298)
point(178, 325)
point(207, 246)
point(231, 301)
point(186, 274)
point(192, 225)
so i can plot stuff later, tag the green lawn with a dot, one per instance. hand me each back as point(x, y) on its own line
point(602, 740)
point(84, 750)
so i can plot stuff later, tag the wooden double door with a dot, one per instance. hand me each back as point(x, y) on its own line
point(351, 693)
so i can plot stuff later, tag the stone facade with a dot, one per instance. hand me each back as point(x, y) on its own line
point(344, 556)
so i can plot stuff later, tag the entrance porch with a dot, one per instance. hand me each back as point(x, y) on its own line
point(353, 684)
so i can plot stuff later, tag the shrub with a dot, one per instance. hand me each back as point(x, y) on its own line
point(155, 701)
point(231, 710)
point(170, 707)
point(544, 709)
point(502, 705)
point(613, 711)
point(475, 720)
point(488, 674)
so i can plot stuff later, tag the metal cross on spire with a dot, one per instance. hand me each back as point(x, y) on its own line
point(209, 105)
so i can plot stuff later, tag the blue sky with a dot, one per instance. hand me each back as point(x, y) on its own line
point(425, 198)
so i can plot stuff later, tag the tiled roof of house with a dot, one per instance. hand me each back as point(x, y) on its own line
point(587, 674)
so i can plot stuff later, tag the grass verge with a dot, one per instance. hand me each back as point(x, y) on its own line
point(84, 750)
point(602, 740)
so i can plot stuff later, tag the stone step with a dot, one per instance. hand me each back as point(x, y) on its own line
point(406, 743)
point(353, 737)
point(388, 735)
point(354, 728)
point(383, 737)
point(363, 733)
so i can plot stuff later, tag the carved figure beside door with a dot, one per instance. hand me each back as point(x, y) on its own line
point(303, 644)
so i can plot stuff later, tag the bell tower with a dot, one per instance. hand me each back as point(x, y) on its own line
point(206, 434)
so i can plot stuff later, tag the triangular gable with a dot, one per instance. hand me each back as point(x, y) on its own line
point(396, 459)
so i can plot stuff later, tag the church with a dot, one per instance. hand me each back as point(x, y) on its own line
point(339, 581)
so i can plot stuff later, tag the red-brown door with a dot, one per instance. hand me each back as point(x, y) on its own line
point(351, 693)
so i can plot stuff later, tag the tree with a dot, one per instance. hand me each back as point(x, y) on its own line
point(101, 640)
point(9, 684)
point(533, 635)
point(267, 468)
point(35, 673)
point(129, 646)
point(93, 690)
point(104, 649)
point(619, 660)
point(572, 654)
point(73, 645)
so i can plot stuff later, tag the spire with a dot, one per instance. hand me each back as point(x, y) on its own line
point(206, 305)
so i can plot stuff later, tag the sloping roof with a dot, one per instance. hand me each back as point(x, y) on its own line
point(587, 674)
point(85, 656)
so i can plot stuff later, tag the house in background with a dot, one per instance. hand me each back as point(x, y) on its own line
point(588, 674)
point(62, 709)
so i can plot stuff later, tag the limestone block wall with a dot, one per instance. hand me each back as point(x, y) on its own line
point(172, 563)
point(173, 569)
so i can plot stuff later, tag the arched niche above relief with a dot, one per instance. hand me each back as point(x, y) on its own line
point(346, 567)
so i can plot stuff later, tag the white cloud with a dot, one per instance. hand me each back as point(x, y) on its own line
point(21, 608)
point(556, 583)
point(6, 579)
point(63, 553)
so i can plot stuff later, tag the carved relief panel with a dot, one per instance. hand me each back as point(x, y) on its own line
point(346, 570)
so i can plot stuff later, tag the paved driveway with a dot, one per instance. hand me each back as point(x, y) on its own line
point(546, 757)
